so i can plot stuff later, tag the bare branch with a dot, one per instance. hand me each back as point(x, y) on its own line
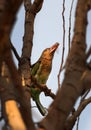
point(15, 52)
point(25, 60)
point(88, 53)
point(6, 56)
point(14, 117)
point(71, 120)
point(61, 66)
point(77, 123)
point(84, 95)
point(69, 34)
point(37, 4)
point(10, 110)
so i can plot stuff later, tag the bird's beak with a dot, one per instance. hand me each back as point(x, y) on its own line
point(54, 47)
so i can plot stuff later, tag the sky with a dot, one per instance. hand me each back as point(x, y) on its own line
point(48, 30)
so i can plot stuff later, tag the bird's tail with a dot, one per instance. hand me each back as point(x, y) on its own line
point(42, 110)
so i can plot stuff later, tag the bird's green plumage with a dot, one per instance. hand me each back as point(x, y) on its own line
point(35, 95)
point(35, 68)
point(41, 70)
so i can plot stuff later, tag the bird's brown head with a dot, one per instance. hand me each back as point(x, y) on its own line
point(49, 52)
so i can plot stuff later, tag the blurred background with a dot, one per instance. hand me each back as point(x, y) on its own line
point(48, 29)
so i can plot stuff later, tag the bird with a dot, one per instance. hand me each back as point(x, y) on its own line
point(41, 71)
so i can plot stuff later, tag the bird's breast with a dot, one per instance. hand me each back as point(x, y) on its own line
point(44, 72)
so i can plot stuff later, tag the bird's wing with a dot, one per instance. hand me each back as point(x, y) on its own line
point(35, 68)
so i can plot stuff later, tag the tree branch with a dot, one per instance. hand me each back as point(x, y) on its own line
point(70, 25)
point(15, 52)
point(61, 66)
point(72, 119)
point(6, 56)
point(25, 59)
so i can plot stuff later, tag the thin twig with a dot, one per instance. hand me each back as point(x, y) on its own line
point(1, 118)
point(61, 66)
point(69, 33)
point(88, 53)
point(15, 52)
point(84, 103)
point(77, 123)
point(84, 95)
